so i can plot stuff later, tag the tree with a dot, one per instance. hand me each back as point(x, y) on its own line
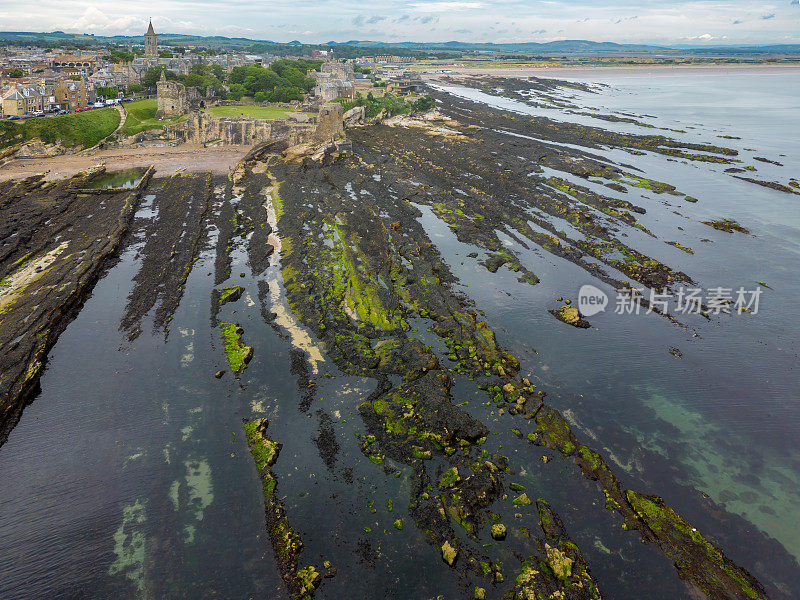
point(120, 56)
point(423, 104)
point(135, 88)
point(16, 73)
point(260, 97)
point(108, 92)
point(154, 74)
point(237, 91)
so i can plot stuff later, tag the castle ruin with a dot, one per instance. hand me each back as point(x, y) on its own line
point(173, 99)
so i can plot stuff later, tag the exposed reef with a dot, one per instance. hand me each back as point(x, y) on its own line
point(56, 243)
point(286, 544)
point(361, 273)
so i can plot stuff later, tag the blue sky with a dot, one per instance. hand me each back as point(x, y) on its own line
point(663, 22)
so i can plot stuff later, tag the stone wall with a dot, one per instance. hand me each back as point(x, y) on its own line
point(202, 128)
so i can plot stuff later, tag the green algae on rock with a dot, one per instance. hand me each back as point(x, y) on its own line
point(696, 559)
point(498, 531)
point(238, 354)
point(449, 553)
point(558, 570)
point(230, 294)
point(286, 544)
point(680, 246)
point(571, 316)
point(726, 225)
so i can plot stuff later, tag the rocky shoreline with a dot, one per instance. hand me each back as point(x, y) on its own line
point(344, 233)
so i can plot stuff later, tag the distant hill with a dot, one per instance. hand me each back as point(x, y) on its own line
point(353, 48)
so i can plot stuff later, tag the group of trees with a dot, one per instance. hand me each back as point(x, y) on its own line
point(283, 81)
point(122, 56)
point(108, 92)
point(200, 77)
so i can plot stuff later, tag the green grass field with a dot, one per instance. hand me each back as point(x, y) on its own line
point(80, 129)
point(142, 117)
point(256, 112)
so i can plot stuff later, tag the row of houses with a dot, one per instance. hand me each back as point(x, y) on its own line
point(99, 72)
point(20, 99)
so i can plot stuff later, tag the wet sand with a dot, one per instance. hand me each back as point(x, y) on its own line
point(167, 160)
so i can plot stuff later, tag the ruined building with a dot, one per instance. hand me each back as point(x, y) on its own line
point(173, 99)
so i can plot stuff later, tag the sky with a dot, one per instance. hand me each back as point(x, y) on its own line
point(319, 21)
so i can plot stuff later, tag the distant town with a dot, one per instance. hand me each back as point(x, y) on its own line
point(69, 75)
point(37, 81)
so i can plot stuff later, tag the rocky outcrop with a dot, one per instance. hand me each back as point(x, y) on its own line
point(39, 149)
point(354, 116)
point(329, 123)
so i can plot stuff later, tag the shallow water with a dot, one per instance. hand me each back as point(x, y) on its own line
point(116, 179)
point(726, 414)
point(134, 479)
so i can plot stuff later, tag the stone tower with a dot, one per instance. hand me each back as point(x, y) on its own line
point(172, 99)
point(150, 44)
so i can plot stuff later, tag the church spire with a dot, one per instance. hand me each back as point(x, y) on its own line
point(150, 30)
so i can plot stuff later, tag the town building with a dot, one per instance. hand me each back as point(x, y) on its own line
point(334, 80)
point(22, 99)
point(402, 87)
point(150, 43)
point(69, 63)
point(71, 94)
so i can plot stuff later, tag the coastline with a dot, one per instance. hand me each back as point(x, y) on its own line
point(592, 71)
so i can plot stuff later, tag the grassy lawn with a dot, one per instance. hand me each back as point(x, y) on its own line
point(80, 129)
point(142, 117)
point(257, 112)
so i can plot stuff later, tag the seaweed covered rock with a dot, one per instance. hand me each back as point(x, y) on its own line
point(419, 414)
point(558, 570)
point(286, 543)
point(696, 559)
point(230, 294)
point(449, 553)
point(726, 225)
point(571, 316)
point(239, 355)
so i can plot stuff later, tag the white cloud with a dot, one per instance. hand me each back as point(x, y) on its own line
point(664, 22)
point(446, 6)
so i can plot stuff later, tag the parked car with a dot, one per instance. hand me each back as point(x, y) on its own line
point(38, 113)
point(98, 105)
point(13, 118)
